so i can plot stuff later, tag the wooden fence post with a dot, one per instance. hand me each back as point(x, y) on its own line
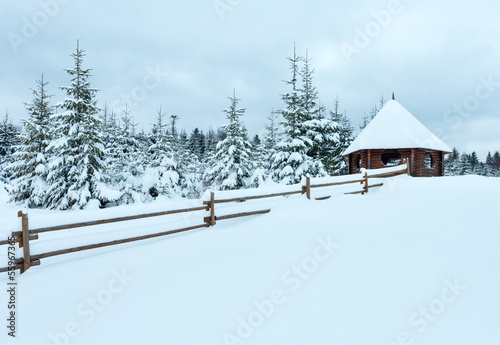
point(366, 182)
point(212, 209)
point(25, 242)
point(308, 187)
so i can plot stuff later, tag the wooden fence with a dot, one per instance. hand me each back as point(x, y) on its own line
point(26, 235)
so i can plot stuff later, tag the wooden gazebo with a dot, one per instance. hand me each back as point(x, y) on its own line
point(393, 137)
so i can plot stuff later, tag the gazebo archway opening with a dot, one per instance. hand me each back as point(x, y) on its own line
point(428, 161)
point(391, 157)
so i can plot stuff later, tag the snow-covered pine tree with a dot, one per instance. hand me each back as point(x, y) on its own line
point(29, 169)
point(76, 149)
point(496, 163)
point(374, 112)
point(196, 144)
point(190, 170)
point(488, 165)
point(124, 156)
point(260, 163)
point(474, 161)
point(114, 138)
point(464, 165)
point(129, 145)
point(211, 141)
point(451, 163)
point(375, 109)
point(364, 122)
point(161, 176)
point(337, 163)
point(231, 164)
point(258, 152)
point(272, 137)
point(290, 162)
point(318, 133)
point(8, 141)
point(323, 136)
point(292, 113)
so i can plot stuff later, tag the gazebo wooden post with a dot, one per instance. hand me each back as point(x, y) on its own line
point(441, 164)
point(369, 165)
point(412, 164)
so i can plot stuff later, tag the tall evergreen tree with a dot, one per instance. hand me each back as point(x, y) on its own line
point(464, 165)
point(8, 136)
point(29, 169)
point(197, 143)
point(290, 161)
point(489, 169)
point(76, 150)
point(232, 165)
point(318, 132)
point(496, 160)
point(336, 163)
point(8, 141)
point(451, 163)
point(271, 138)
point(211, 140)
point(474, 161)
point(364, 122)
point(292, 112)
point(164, 164)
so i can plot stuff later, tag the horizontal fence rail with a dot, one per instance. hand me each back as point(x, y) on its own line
point(111, 220)
point(26, 235)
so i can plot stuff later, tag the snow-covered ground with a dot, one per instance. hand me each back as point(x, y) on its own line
point(413, 262)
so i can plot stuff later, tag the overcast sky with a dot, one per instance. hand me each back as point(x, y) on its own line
point(440, 58)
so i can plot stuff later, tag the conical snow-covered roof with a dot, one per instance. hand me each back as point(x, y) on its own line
point(395, 128)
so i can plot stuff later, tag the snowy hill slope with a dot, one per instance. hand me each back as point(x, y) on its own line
point(413, 262)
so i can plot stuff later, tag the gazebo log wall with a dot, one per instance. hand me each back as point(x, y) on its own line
point(372, 159)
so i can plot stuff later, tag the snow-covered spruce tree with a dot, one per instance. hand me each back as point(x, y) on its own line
point(124, 157)
point(231, 164)
point(76, 149)
point(189, 167)
point(196, 144)
point(319, 133)
point(291, 162)
point(211, 140)
point(8, 141)
point(451, 163)
point(336, 163)
point(365, 120)
point(272, 137)
point(464, 166)
point(161, 177)
point(110, 135)
point(496, 163)
point(190, 170)
point(260, 156)
point(489, 169)
point(29, 169)
point(474, 162)
point(130, 146)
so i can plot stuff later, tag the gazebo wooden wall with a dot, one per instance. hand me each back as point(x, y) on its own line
point(372, 159)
